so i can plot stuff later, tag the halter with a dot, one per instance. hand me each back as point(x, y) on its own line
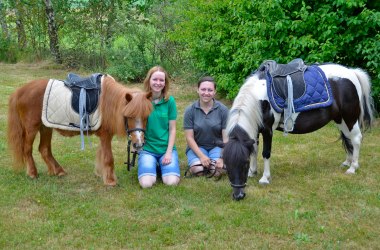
point(238, 185)
point(134, 153)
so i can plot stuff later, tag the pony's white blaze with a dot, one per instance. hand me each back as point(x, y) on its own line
point(138, 133)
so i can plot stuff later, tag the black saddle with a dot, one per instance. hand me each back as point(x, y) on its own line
point(278, 73)
point(92, 87)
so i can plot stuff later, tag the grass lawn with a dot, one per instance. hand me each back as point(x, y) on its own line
point(310, 203)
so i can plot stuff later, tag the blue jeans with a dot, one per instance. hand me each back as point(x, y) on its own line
point(148, 163)
point(214, 154)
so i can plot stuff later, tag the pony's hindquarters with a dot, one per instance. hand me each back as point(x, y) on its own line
point(24, 122)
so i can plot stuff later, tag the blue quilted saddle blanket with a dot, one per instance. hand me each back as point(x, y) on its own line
point(311, 89)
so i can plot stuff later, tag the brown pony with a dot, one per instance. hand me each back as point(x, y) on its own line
point(123, 111)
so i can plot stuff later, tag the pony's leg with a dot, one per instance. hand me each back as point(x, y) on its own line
point(105, 161)
point(253, 165)
point(253, 161)
point(267, 148)
point(30, 135)
point(356, 138)
point(45, 149)
point(353, 145)
point(265, 179)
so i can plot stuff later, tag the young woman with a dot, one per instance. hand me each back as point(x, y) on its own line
point(204, 124)
point(159, 152)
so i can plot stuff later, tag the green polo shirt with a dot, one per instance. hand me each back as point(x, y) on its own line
point(157, 128)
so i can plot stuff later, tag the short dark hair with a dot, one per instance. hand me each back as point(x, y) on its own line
point(207, 79)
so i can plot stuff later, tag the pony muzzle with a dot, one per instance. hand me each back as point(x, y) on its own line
point(238, 191)
point(238, 194)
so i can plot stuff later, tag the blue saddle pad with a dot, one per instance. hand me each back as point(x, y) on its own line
point(316, 91)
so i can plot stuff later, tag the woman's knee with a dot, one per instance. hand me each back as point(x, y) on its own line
point(171, 180)
point(147, 181)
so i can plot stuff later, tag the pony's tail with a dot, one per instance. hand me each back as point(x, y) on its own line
point(16, 134)
point(367, 108)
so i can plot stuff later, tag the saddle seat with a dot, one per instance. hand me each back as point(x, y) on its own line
point(279, 72)
point(91, 82)
point(90, 88)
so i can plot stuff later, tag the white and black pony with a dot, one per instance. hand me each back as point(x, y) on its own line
point(286, 97)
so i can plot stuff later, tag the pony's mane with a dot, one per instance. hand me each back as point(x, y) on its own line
point(246, 109)
point(113, 105)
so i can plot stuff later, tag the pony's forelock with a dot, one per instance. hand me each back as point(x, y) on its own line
point(138, 106)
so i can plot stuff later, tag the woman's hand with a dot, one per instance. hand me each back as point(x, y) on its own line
point(205, 161)
point(167, 159)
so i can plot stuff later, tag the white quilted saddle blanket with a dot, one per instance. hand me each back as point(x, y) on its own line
point(57, 111)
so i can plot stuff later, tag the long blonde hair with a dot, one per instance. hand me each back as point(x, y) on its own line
point(147, 88)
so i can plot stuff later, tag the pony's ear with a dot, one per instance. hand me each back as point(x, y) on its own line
point(249, 143)
point(149, 95)
point(128, 97)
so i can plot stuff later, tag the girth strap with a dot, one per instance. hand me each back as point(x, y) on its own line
point(289, 109)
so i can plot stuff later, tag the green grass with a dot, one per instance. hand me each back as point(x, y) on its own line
point(310, 204)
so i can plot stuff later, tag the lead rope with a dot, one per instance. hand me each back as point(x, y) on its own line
point(128, 162)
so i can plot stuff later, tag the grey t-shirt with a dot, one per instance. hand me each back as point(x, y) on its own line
point(207, 127)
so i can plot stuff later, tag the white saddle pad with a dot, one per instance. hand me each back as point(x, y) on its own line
point(57, 111)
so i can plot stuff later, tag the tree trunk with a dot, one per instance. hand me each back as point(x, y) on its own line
point(3, 21)
point(53, 32)
point(21, 36)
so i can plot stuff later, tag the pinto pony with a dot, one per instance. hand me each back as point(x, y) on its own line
point(123, 112)
point(253, 113)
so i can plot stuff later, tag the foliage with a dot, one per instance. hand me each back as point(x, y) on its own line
point(229, 39)
point(7, 53)
point(131, 56)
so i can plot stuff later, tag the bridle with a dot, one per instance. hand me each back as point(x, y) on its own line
point(130, 163)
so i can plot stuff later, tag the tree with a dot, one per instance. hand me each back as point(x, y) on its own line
point(53, 32)
point(3, 21)
point(21, 35)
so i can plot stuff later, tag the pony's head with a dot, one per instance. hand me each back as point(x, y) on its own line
point(236, 158)
point(243, 124)
point(136, 114)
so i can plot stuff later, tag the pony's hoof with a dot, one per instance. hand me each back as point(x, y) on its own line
point(110, 183)
point(61, 174)
point(33, 176)
point(252, 173)
point(351, 170)
point(264, 181)
point(346, 164)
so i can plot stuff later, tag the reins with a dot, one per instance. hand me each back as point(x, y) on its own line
point(130, 163)
point(207, 172)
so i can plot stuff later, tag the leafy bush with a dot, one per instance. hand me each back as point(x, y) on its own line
point(229, 39)
point(132, 55)
point(8, 53)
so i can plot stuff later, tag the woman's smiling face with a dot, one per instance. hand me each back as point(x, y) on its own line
point(157, 81)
